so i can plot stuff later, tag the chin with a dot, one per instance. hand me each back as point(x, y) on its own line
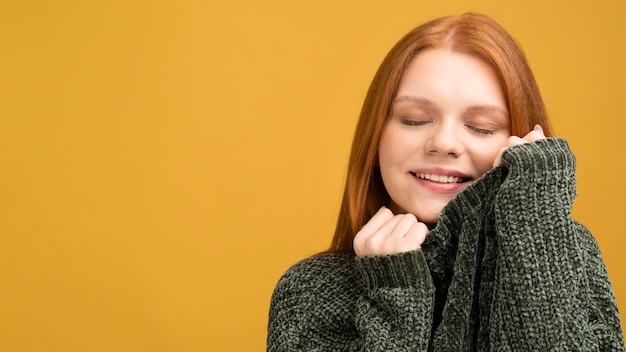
point(430, 223)
point(428, 219)
point(427, 216)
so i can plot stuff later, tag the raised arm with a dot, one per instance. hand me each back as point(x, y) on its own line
point(552, 291)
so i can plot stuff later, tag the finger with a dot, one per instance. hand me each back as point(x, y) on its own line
point(373, 234)
point(416, 236)
point(390, 239)
point(405, 222)
point(515, 140)
point(538, 133)
point(535, 134)
point(383, 215)
point(384, 231)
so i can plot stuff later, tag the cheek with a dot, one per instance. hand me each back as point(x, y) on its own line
point(386, 150)
point(486, 155)
point(394, 153)
point(393, 150)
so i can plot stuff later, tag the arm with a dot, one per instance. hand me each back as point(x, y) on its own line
point(396, 313)
point(603, 315)
point(548, 295)
point(336, 303)
point(312, 305)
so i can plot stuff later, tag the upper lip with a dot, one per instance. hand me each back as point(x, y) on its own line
point(441, 172)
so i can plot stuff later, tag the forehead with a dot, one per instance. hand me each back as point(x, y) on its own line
point(440, 75)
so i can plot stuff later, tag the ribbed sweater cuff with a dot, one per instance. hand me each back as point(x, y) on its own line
point(408, 269)
point(544, 155)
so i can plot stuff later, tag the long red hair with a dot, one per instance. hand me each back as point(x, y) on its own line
point(471, 33)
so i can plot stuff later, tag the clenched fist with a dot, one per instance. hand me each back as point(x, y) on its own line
point(386, 233)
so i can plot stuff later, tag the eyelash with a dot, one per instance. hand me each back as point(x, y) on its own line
point(480, 130)
point(414, 122)
point(475, 129)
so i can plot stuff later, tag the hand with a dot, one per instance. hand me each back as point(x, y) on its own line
point(534, 135)
point(386, 233)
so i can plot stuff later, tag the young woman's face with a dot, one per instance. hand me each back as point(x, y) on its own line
point(448, 123)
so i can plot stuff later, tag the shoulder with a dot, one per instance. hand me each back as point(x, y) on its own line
point(317, 294)
point(327, 271)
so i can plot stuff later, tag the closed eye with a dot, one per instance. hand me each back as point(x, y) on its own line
point(408, 122)
point(480, 130)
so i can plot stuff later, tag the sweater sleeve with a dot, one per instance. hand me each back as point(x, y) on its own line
point(552, 291)
point(339, 303)
point(396, 313)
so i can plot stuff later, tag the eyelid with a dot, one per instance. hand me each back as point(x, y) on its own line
point(412, 119)
point(487, 120)
point(480, 130)
point(410, 122)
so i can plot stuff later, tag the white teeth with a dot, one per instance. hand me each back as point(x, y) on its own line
point(439, 178)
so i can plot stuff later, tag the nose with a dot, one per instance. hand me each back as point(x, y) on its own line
point(445, 139)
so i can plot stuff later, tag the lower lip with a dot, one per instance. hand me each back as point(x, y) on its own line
point(441, 187)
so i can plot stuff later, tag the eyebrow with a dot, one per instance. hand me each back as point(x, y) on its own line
point(471, 109)
point(413, 99)
point(488, 108)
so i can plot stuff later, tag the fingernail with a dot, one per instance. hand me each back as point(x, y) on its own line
point(538, 127)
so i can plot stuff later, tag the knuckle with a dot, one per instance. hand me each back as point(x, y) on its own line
point(372, 243)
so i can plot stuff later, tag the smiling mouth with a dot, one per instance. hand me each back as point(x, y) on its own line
point(440, 178)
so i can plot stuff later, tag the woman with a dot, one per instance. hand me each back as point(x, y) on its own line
point(454, 233)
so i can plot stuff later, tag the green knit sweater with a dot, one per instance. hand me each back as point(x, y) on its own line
point(505, 269)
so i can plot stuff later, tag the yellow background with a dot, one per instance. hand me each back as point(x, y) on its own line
point(163, 162)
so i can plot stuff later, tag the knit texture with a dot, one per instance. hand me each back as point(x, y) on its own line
point(505, 269)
